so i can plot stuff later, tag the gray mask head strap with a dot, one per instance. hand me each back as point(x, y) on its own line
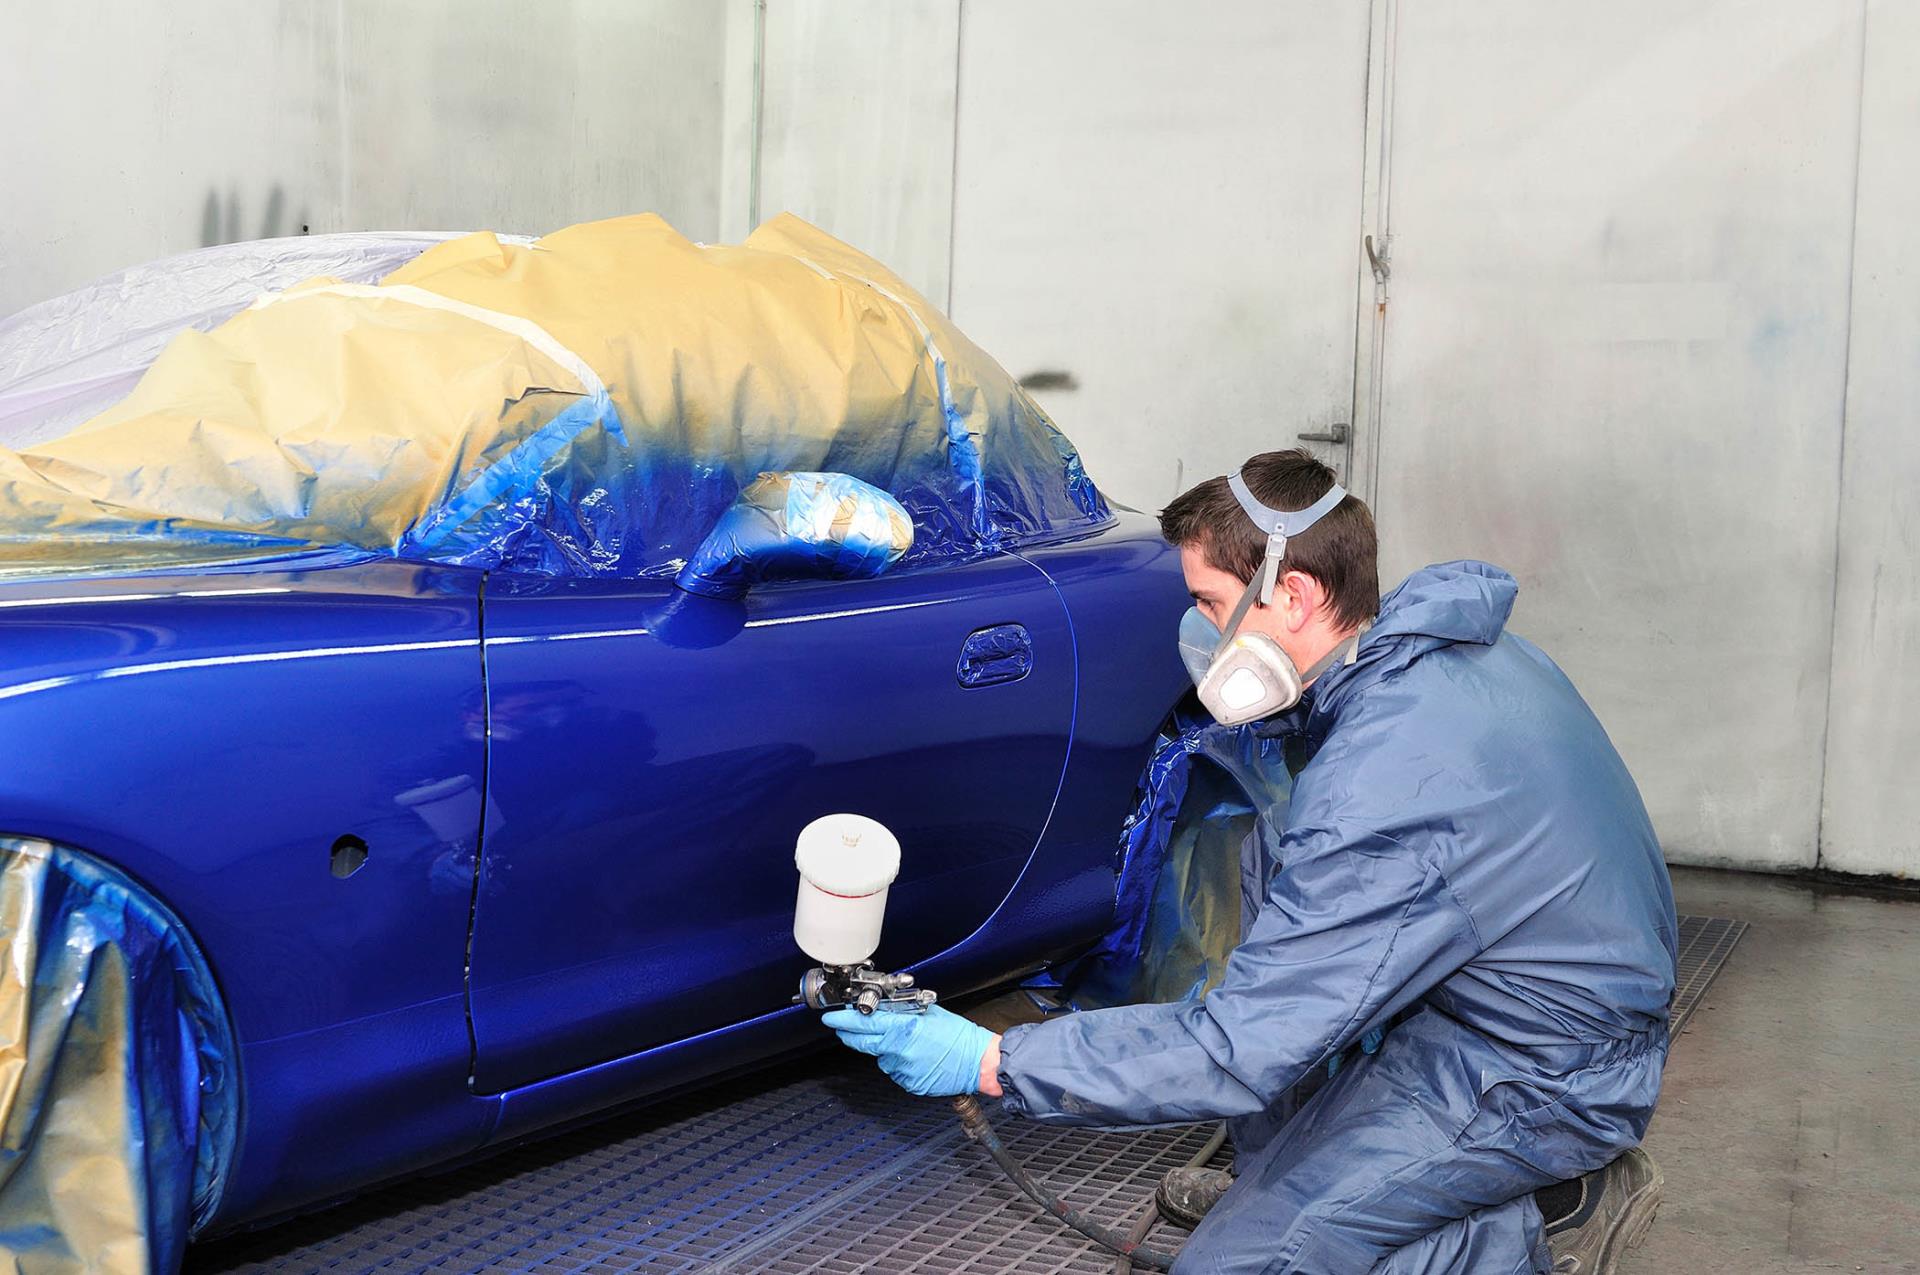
point(1346, 651)
point(1279, 524)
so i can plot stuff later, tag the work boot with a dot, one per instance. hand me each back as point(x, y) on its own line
point(1185, 1195)
point(1611, 1214)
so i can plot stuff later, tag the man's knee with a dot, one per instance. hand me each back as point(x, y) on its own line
point(1245, 1234)
point(1504, 1239)
point(1250, 1232)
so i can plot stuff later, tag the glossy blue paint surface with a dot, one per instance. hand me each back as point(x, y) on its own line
point(1125, 595)
point(213, 736)
point(637, 883)
point(650, 761)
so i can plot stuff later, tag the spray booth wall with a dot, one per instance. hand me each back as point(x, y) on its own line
point(1646, 333)
point(139, 130)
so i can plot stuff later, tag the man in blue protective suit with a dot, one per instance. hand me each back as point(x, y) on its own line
point(1466, 880)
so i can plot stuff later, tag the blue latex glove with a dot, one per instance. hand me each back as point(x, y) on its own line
point(1369, 1043)
point(934, 1053)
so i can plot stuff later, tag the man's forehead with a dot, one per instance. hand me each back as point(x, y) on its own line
point(1202, 575)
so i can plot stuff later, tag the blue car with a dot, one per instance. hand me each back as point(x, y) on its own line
point(431, 839)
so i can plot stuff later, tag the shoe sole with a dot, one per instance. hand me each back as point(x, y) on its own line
point(1635, 1221)
point(1179, 1217)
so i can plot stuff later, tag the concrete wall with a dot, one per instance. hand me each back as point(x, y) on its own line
point(856, 128)
point(1629, 321)
point(135, 131)
point(1650, 341)
point(529, 117)
point(1652, 344)
point(1872, 803)
point(1162, 204)
point(1615, 363)
point(1105, 212)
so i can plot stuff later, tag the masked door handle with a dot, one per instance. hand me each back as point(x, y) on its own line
point(1003, 653)
point(1336, 433)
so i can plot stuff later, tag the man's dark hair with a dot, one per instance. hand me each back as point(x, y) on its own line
point(1339, 551)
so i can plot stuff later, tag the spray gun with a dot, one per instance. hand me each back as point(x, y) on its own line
point(831, 986)
point(847, 863)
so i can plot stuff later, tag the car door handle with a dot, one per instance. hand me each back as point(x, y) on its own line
point(992, 656)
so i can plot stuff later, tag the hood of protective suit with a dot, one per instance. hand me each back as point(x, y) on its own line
point(1446, 604)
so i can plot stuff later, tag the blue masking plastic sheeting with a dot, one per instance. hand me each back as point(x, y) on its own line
point(990, 657)
point(590, 404)
point(117, 1126)
point(1189, 852)
point(806, 526)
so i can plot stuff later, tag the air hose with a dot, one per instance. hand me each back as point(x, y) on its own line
point(1130, 1248)
point(1123, 1264)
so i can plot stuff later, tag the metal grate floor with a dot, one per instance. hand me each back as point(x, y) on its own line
point(833, 1171)
point(966, 1216)
point(1705, 944)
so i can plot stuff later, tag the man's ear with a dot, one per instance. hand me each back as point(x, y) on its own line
point(1301, 598)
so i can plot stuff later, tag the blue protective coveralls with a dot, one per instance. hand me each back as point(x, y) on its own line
point(1467, 861)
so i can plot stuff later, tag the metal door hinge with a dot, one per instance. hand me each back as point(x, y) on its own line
point(1381, 259)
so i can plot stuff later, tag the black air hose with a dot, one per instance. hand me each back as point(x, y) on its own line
point(974, 1121)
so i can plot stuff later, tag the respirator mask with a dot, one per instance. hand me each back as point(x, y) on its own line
point(1244, 677)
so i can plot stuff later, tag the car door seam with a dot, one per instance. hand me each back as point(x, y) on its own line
point(479, 835)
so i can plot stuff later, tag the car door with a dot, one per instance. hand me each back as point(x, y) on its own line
point(653, 756)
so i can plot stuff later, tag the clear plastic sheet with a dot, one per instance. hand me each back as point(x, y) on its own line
point(335, 415)
point(119, 1106)
point(587, 404)
point(818, 526)
point(73, 357)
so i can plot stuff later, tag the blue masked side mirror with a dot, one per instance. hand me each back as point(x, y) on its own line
point(799, 526)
